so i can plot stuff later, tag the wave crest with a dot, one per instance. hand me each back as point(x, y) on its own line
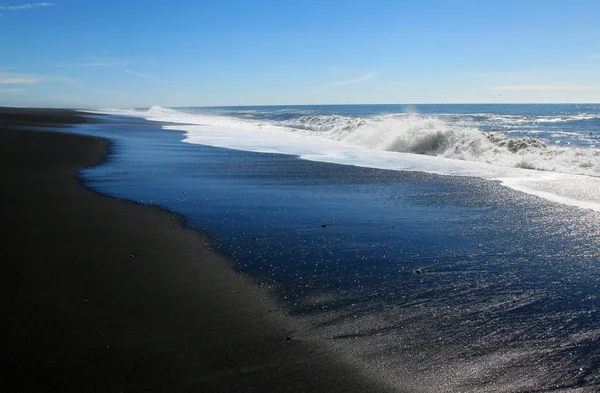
point(435, 136)
point(449, 136)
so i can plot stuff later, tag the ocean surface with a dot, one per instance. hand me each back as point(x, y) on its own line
point(443, 247)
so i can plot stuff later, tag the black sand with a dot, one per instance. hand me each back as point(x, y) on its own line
point(101, 295)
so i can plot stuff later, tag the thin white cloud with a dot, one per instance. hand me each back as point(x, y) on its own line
point(86, 64)
point(595, 56)
point(142, 75)
point(332, 85)
point(154, 78)
point(543, 88)
point(60, 79)
point(25, 6)
point(100, 64)
point(12, 90)
point(119, 65)
point(8, 80)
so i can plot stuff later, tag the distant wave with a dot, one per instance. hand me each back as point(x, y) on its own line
point(564, 119)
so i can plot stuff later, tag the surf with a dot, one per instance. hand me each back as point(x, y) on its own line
point(442, 144)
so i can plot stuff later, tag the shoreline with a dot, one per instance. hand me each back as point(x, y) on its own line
point(104, 294)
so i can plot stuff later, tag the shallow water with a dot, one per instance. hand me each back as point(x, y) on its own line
point(435, 282)
point(545, 150)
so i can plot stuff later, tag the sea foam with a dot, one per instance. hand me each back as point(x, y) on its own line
point(405, 141)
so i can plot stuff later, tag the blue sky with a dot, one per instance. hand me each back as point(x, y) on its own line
point(129, 53)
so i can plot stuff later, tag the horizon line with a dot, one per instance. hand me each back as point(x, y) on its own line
point(280, 105)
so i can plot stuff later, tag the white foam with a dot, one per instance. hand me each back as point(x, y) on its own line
point(391, 141)
point(564, 119)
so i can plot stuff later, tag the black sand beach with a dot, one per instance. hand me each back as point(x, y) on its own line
point(102, 295)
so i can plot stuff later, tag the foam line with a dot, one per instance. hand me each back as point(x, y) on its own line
point(407, 142)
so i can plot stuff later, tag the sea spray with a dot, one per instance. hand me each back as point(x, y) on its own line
point(516, 144)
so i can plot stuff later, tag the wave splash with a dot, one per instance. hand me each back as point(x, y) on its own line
point(436, 136)
point(445, 144)
point(451, 137)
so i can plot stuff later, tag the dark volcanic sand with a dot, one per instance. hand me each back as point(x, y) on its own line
point(99, 294)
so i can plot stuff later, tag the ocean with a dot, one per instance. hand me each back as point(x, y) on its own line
point(443, 247)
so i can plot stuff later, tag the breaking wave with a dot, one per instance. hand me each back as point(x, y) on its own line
point(436, 136)
point(448, 136)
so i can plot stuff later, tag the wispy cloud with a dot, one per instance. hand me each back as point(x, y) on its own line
point(595, 56)
point(100, 64)
point(12, 90)
point(543, 88)
point(25, 6)
point(86, 64)
point(95, 62)
point(142, 75)
point(11, 80)
point(332, 85)
point(60, 79)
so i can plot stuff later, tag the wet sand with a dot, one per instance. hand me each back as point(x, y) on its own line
point(103, 295)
